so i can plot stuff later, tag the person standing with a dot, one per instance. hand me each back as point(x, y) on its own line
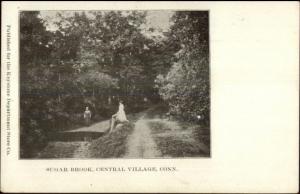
point(87, 115)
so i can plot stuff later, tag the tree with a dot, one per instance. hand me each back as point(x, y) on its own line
point(36, 80)
point(116, 46)
point(186, 85)
point(95, 58)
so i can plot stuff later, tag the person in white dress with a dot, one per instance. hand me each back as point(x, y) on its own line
point(120, 116)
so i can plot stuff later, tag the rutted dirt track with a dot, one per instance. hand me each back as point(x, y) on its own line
point(140, 143)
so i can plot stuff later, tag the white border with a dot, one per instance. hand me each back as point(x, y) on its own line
point(254, 90)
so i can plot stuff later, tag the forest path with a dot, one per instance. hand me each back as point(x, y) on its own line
point(141, 143)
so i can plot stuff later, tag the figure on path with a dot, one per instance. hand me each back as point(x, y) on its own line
point(87, 116)
point(119, 117)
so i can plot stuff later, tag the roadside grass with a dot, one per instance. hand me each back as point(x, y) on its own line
point(111, 145)
point(183, 140)
point(114, 144)
point(200, 133)
point(157, 111)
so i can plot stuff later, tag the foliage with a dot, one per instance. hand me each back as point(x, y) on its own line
point(186, 86)
point(91, 59)
point(94, 59)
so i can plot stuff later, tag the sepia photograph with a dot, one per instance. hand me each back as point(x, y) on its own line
point(114, 84)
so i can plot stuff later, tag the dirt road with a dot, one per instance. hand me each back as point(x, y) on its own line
point(140, 143)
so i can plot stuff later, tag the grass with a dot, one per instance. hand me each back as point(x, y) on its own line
point(201, 133)
point(182, 141)
point(157, 111)
point(112, 145)
point(173, 139)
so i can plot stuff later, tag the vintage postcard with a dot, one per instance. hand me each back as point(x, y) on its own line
point(149, 97)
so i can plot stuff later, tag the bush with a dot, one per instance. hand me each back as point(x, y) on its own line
point(32, 140)
point(186, 86)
